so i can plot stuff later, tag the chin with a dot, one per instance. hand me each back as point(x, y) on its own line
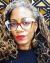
point(22, 42)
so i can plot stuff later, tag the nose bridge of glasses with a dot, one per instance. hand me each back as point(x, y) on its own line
point(19, 23)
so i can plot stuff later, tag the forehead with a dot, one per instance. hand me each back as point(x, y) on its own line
point(21, 12)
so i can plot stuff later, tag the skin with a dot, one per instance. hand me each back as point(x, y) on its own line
point(17, 14)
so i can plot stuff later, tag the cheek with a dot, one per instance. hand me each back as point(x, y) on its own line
point(30, 34)
point(13, 32)
point(32, 31)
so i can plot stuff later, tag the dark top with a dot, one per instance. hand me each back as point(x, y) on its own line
point(24, 56)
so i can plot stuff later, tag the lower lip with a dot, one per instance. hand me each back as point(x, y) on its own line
point(20, 37)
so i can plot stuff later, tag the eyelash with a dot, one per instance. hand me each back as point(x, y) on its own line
point(26, 23)
point(22, 23)
point(12, 24)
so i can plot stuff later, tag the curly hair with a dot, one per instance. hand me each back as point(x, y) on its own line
point(40, 41)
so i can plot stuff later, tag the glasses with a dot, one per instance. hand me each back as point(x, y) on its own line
point(25, 24)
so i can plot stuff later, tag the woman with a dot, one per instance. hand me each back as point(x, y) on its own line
point(25, 37)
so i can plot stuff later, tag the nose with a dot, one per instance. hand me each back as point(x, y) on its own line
point(19, 29)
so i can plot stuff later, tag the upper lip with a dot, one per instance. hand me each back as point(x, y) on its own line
point(20, 36)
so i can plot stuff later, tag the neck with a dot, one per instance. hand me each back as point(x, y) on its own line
point(24, 47)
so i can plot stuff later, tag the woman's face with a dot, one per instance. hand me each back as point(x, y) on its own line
point(23, 25)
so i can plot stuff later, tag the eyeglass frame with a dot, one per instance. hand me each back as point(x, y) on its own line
point(8, 23)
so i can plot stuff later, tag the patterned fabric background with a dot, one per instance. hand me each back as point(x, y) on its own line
point(42, 5)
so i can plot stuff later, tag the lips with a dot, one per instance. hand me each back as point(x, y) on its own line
point(20, 37)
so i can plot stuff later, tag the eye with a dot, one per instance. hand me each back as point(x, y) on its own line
point(25, 23)
point(12, 24)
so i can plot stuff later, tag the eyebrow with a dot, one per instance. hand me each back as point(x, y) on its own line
point(22, 19)
point(13, 20)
